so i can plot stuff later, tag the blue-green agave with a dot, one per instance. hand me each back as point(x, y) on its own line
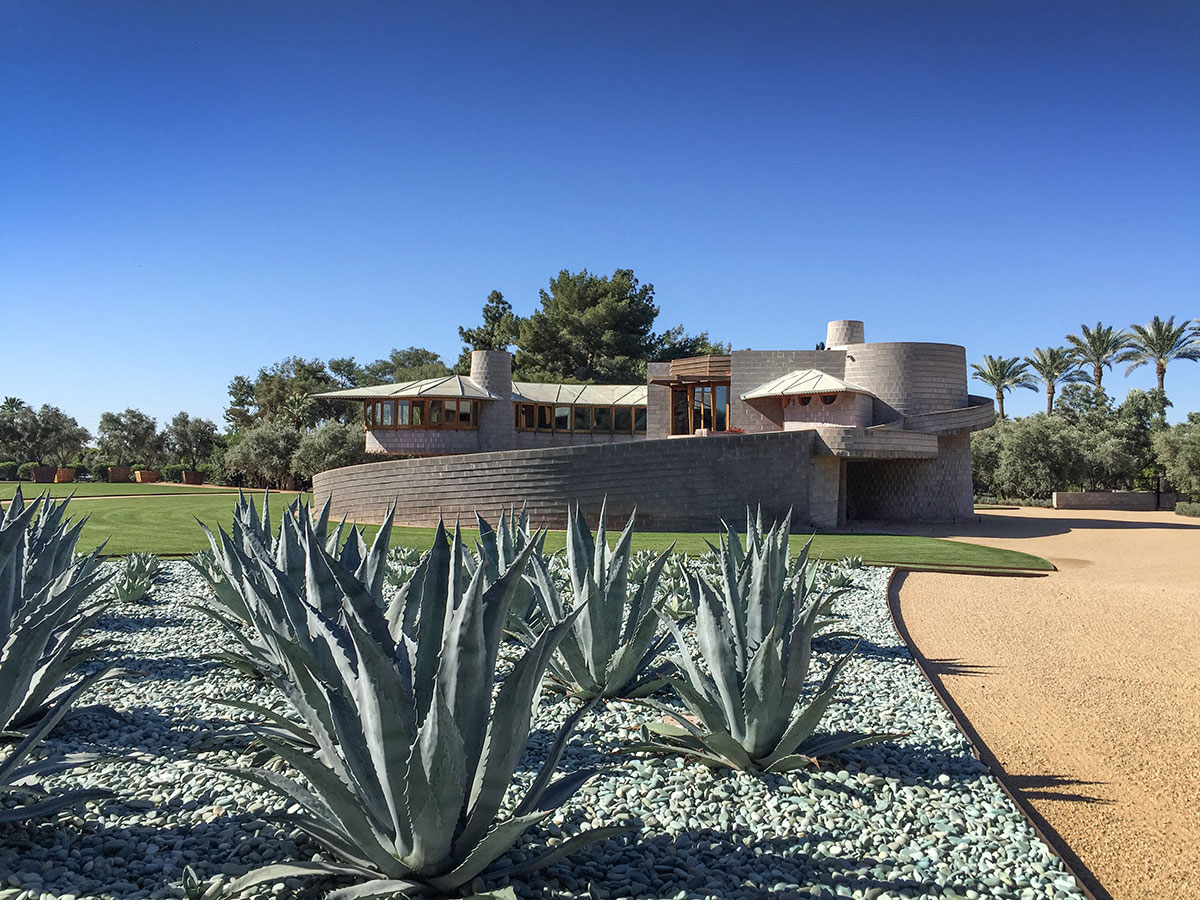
point(611, 648)
point(48, 598)
point(754, 633)
point(413, 748)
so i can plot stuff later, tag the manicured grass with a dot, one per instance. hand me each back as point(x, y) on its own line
point(165, 524)
point(99, 489)
point(875, 549)
point(160, 523)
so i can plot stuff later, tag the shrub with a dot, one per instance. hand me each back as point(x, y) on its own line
point(1187, 509)
point(173, 472)
point(25, 471)
point(264, 453)
point(8, 471)
point(331, 446)
point(1178, 451)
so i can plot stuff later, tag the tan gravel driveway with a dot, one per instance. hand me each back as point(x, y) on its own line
point(1085, 683)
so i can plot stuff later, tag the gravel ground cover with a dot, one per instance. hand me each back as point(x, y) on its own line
point(916, 817)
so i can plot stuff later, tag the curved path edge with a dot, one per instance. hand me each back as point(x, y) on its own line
point(1087, 881)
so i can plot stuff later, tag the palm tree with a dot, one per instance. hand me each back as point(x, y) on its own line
point(12, 405)
point(1055, 366)
point(1004, 373)
point(1098, 347)
point(1159, 343)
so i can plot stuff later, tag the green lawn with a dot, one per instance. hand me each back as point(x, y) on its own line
point(166, 525)
point(99, 489)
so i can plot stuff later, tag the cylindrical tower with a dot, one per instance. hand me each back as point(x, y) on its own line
point(492, 371)
point(911, 378)
point(842, 332)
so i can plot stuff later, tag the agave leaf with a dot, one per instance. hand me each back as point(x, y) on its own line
point(803, 725)
point(533, 797)
point(494, 844)
point(280, 871)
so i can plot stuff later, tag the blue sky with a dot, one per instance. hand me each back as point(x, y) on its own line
point(190, 191)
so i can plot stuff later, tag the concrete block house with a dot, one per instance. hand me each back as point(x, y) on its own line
point(854, 431)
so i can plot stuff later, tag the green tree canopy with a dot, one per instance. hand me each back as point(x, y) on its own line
point(263, 455)
point(589, 328)
point(128, 437)
point(1160, 343)
point(1054, 366)
point(1177, 450)
point(190, 441)
point(1004, 374)
point(331, 446)
point(1098, 347)
point(675, 343)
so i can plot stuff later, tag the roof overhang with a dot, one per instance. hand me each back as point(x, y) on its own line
point(449, 387)
point(802, 382)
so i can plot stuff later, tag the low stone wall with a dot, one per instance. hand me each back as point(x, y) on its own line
point(679, 484)
point(1134, 501)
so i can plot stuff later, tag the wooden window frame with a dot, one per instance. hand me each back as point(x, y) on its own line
point(690, 390)
point(418, 409)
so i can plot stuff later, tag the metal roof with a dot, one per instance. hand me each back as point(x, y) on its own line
point(449, 387)
point(595, 394)
point(804, 381)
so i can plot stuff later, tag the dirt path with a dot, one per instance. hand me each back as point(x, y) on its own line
point(1085, 684)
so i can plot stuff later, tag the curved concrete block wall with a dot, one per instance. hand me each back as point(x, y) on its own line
point(841, 332)
point(680, 484)
point(910, 378)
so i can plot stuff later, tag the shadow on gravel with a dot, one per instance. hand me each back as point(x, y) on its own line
point(840, 646)
point(736, 862)
point(150, 730)
point(100, 857)
point(125, 623)
point(138, 666)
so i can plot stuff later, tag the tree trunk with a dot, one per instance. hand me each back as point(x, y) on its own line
point(1000, 401)
point(1049, 398)
point(1097, 375)
point(1160, 369)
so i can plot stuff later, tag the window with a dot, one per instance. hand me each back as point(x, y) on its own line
point(602, 419)
point(435, 412)
point(562, 418)
point(389, 414)
point(805, 400)
point(402, 418)
point(639, 420)
point(544, 418)
point(622, 419)
point(582, 419)
point(701, 405)
point(526, 419)
point(418, 413)
point(828, 399)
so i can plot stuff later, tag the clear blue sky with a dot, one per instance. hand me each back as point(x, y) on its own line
point(193, 190)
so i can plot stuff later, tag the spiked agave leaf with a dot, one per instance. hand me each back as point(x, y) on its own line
point(258, 631)
point(611, 649)
point(414, 751)
point(754, 633)
point(497, 549)
point(48, 598)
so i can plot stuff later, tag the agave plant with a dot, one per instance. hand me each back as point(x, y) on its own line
point(611, 649)
point(47, 600)
point(498, 549)
point(413, 752)
point(754, 632)
point(257, 631)
point(137, 577)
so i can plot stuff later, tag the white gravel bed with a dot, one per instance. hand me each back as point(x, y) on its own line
point(914, 817)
